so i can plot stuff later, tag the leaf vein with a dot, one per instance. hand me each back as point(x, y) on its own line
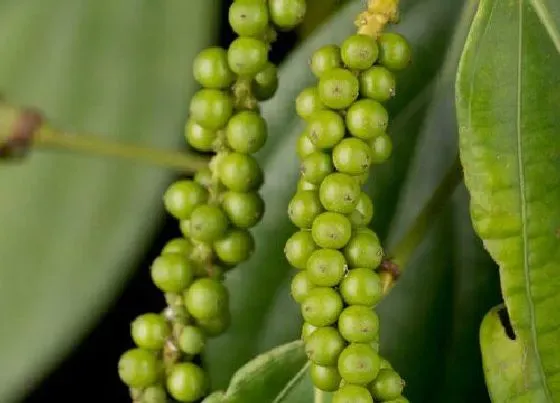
point(290, 385)
point(523, 202)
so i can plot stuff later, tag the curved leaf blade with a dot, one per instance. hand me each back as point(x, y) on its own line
point(507, 91)
point(509, 367)
point(72, 226)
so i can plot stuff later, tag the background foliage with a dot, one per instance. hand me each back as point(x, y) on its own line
point(73, 228)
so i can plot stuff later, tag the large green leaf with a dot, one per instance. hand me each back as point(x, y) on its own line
point(508, 89)
point(417, 314)
point(72, 226)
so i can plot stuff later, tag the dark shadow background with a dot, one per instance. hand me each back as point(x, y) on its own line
point(89, 374)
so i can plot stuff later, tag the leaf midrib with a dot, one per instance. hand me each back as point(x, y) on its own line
point(523, 203)
point(290, 385)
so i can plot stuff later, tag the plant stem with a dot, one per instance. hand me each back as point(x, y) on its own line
point(49, 138)
point(403, 250)
point(318, 396)
point(378, 14)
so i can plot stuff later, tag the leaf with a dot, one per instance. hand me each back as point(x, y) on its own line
point(417, 314)
point(507, 92)
point(509, 366)
point(72, 227)
point(269, 377)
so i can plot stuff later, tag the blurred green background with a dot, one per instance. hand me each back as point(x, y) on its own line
point(77, 234)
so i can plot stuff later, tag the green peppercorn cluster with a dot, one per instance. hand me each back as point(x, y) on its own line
point(337, 254)
point(216, 209)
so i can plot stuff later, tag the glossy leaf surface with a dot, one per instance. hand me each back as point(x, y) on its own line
point(508, 89)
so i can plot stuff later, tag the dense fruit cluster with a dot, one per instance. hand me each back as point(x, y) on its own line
point(216, 209)
point(338, 255)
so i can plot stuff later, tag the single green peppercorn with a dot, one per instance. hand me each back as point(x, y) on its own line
point(359, 52)
point(201, 257)
point(325, 59)
point(308, 102)
point(326, 267)
point(246, 132)
point(181, 246)
point(206, 299)
point(304, 185)
point(287, 14)
point(198, 137)
point(321, 307)
point(352, 394)
point(381, 148)
point(248, 17)
point(338, 88)
point(172, 272)
point(394, 51)
point(325, 378)
point(352, 156)
point(299, 248)
point(244, 210)
point(305, 146)
point(378, 83)
point(331, 230)
point(211, 108)
point(364, 250)
point(324, 346)
point(363, 213)
point(358, 324)
point(154, 394)
point(325, 129)
point(306, 330)
point(265, 83)
point(303, 208)
point(204, 177)
point(247, 56)
point(139, 368)
point(182, 197)
point(361, 287)
point(208, 223)
point(235, 247)
point(211, 70)
point(150, 331)
point(339, 193)
point(387, 386)
point(367, 119)
point(240, 172)
point(316, 166)
point(358, 363)
point(215, 326)
point(192, 340)
point(300, 286)
point(187, 382)
point(385, 364)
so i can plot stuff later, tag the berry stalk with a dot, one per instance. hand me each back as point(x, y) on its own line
point(22, 129)
point(51, 139)
point(403, 250)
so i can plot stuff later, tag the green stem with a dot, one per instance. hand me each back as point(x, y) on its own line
point(401, 253)
point(318, 396)
point(48, 138)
